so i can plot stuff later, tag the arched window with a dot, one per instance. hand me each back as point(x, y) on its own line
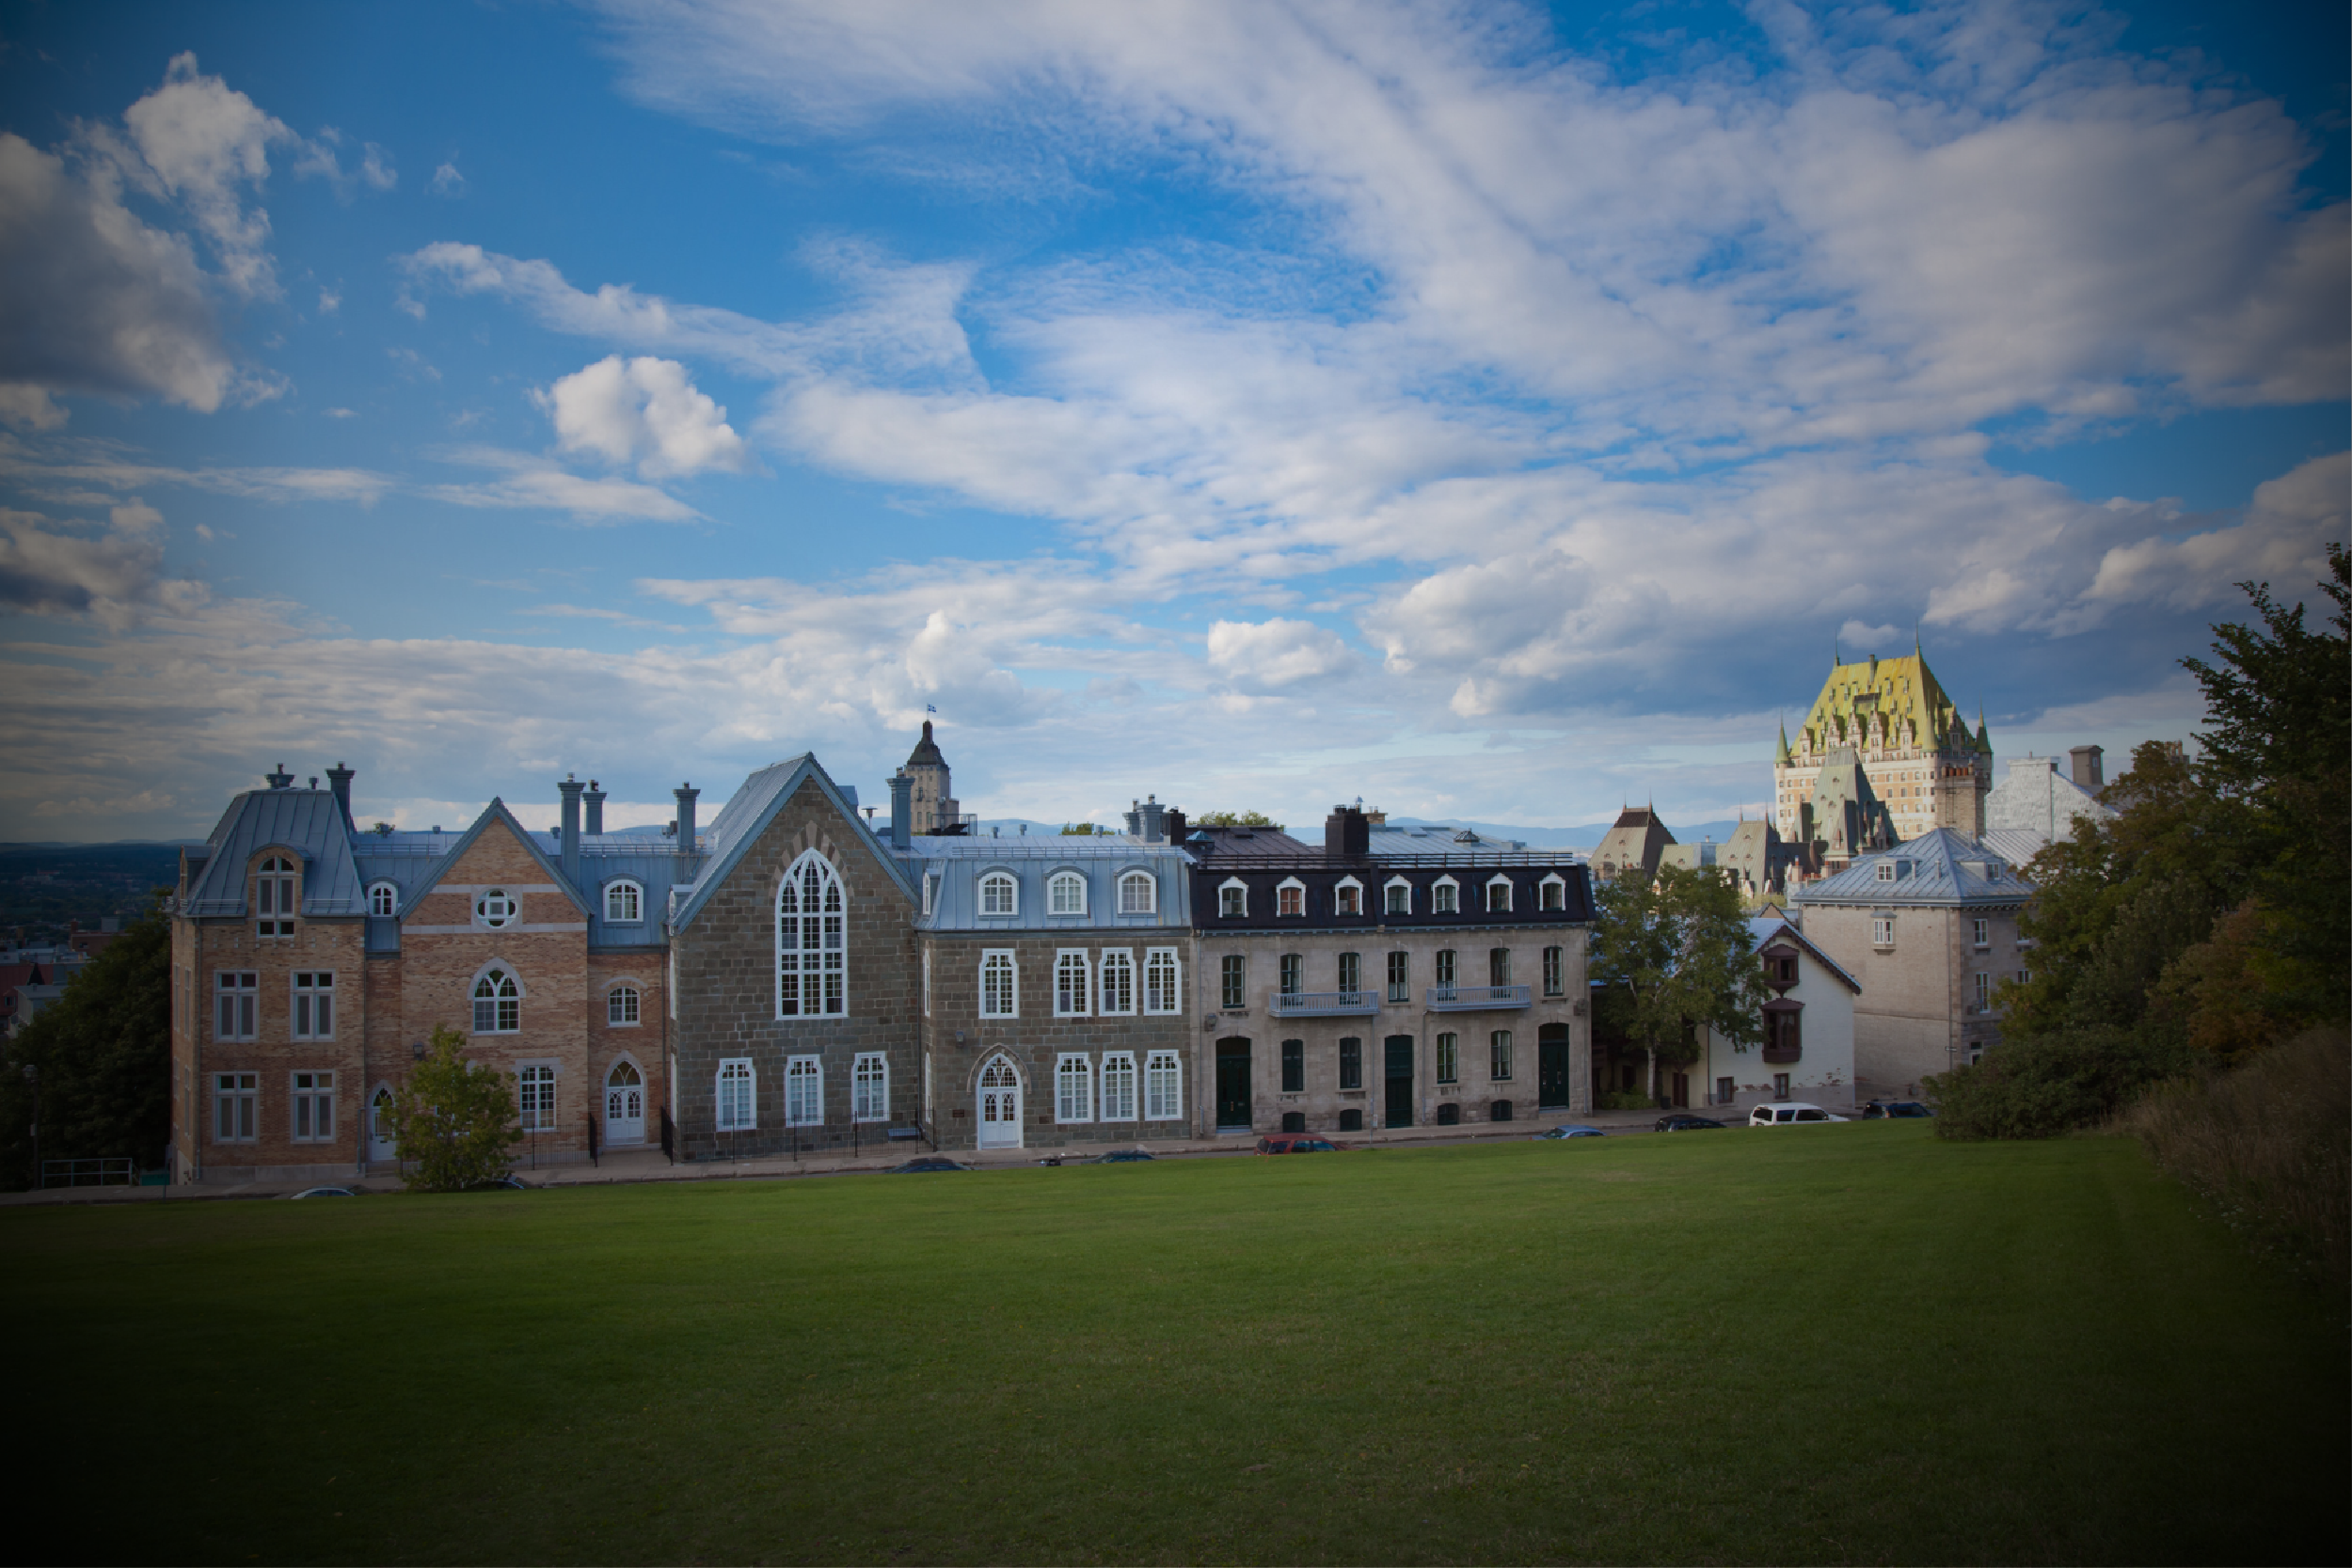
point(498, 1003)
point(620, 1006)
point(274, 898)
point(999, 894)
point(1000, 986)
point(1445, 897)
point(1498, 896)
point(1138, 893)
point(1066, 894)
point(811, 941)
point(623, 903)
point(494, 908)
point(383, 898)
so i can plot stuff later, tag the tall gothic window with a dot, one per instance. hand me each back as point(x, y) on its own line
point(811, 941)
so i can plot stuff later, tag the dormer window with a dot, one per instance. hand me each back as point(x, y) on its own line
point(1138, 893)
point(1290, 900)
point(1349, 896)
point(495, 908)
point(1886, 871)
point(1498, 896)
point(1233, 900)
point(1445, 897)
point(274, 898)
point(623, 903)
point(1556, 896)
point(1400, 897)
point(1066, 894)
point(383, 898)
point(999, 894)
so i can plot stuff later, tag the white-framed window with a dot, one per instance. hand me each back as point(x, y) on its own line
point(999, 894)
point(931, 891)
point(1399, 895)
point(1449, 1058)
point(1065, 894)
point(1115, 997)
point(1886, 871)
point(1000, 985)
point(1072, 977)
point(1290, 898)
point(314, 1004)
point(1497, 896)
point(1138, 893)
point(1984, 990)
point(812, 940)
point(623, 903)
point(314, 1107)
point(621, 1007)
point(804, 1092)
point(1234, 980)
point(1445, 897)
point(739, 1095)
point(1074, 1087)
point(1983, 932)
point(1348, 897)
point(380, 1116)
point(1161, 974)
point(1555, 893)
point(237, 993)
point(927, 982)
point(2024, 976)
point(534, 1094)
point(1555, 963)
point(383, 898)
point(236, 1107)
point(495, 908)
point(1446, 966)
point(275, 898)
point(1882, 930)
point(1119, 1085)
point(1163, 1086)
point(1498, 1056)
point(1400, 977)
point(497, 1003)
point(869, 1087)
point(1232, 899)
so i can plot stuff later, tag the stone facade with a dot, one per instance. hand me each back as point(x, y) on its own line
point(1916, 751)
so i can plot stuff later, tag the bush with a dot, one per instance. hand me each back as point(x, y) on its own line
point(455, 1119)
point(1624, 1100)
point(2268, 1144)
point(2043, 1086)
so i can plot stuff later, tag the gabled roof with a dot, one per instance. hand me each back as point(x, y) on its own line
point(1762, 928)
point(309, 822)
point(1940, 867)
point(495, 812)
point(746, 816)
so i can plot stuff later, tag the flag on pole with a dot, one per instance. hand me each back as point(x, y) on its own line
point(929, 707)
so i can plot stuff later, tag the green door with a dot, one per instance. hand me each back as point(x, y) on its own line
point(1551, 1065)
point(1399, 1101)
point(1233, 1083)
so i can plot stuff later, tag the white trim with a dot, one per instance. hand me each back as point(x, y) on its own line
point(1074, 1090)
point(1117, 1101)
point(1172, 1096)
point(531, 1074)
point(606, 1088)
point(829, 959)
point(1105, 1000)
point(930, 890)
point(637, 1004)
point(1011, 969)
point(1233, 884)
point(1543, 902)
point(867, 1103)
point(1453, 895)
point(927, 982)
point(1151, 891)
point(1175, 1002)
point(804, 1080)
point(737, 1111)
point(986, 1099)
point(617, 884)
point(1285, 885)
point(474, 1001)
point(386, 886)
point(979, 895)
point(1084, 969)
point(1497, 879)
point(1348, 883)
point(1057, 880)
point(1405, 882)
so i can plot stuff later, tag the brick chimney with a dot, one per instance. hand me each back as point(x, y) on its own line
point(2090, 771)
point(1345, 834)
point(571, 786)
point(687, 795)
point(338, 779)
point(902, 807)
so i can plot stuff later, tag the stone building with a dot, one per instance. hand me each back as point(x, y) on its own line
point(1636, 843)
point(1808, 1051)
point(931, 791)
point(2036, 805)
point(1928, 930)
point(1392, 977)
point(1882, 734)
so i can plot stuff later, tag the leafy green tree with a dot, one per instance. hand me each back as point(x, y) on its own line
point(1237, 819)
point(453, 1119)
point(101, 1061)
point(1675, 956)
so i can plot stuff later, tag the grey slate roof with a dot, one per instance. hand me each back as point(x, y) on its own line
point(1940, 867)
point(306, 822)
point(750, 809)
point(959, 862)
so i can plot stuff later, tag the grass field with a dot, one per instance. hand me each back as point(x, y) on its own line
point(1832, 1344)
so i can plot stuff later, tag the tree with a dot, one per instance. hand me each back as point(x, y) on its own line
point(1237, 819)
point(102, 1053)
point(453, 1119)
point(1678, 954)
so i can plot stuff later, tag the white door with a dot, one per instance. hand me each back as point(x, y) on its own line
point(1000, 1105)
point(623, 1105)
point(381, 1144)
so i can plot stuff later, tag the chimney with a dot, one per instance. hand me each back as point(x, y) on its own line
point(1172, 824)
point(2089, 770)
point(902, 808)
point(281, 779)
point(1345, 834)
point(571, 787)
point(338, 779)
point(593, 801)
point(687, 795)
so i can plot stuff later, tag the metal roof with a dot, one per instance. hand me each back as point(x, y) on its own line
point(496, 811)
point(1764, 928)
point(1940, 867)
point(959, 863)
point(309, 823)
point(750, 809)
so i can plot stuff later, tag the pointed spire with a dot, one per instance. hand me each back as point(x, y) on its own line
point(1984, 741)
point(1781, 755)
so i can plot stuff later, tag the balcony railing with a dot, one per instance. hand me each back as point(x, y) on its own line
point(1463, 999)
point(1325, 1003)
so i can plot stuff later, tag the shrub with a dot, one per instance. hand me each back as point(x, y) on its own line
point(2047, 1085)
point(1624, 1100)
point(455, 1119)
point(2269, 1145)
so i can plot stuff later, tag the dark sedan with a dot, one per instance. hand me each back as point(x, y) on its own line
point(1119, 1157)
point(1296, 1143)
point(930, 1162)
point(1894, 1110)
point(1684, 1122)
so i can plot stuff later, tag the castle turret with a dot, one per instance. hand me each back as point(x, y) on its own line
point(931, 795)
point(1923, 766)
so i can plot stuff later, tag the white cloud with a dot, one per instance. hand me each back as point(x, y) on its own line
point(532, 482)
point(447, 182)
point(1263, 655)
point(30, 408)
point(646, 411)
point(2282, 540)
point(202, 143)
point(330, 301)
point(114, 576)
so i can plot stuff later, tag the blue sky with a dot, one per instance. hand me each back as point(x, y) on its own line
point(1492, 413)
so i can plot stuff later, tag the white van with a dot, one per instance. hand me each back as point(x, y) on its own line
point(1789, 1111)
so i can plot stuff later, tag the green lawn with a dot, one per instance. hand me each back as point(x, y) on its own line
point(1822, 1344)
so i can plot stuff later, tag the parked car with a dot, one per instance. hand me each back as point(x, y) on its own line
point(1682, 1121)
point(929, 1163)
point(1893, 1109)
point(1575, 1131)
point(323, 1192)
point(1296, 1143)
point(1119, 1157)
point(1787, 1113)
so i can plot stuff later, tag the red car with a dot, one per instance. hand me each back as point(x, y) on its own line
point(1296, 1143)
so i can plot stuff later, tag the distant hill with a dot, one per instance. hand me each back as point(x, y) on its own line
point(1585, 837)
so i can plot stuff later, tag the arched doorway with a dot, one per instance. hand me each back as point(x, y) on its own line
point(623, 1104)
point(381, 1144)
point(1000, 1104)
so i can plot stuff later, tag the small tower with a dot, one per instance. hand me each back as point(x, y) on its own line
point(934, 808)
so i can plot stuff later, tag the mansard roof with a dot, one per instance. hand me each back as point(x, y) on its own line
point(1939, 868)
point(495, 812)
point(1896, 690)
point(746, 816)
point(309, 823)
